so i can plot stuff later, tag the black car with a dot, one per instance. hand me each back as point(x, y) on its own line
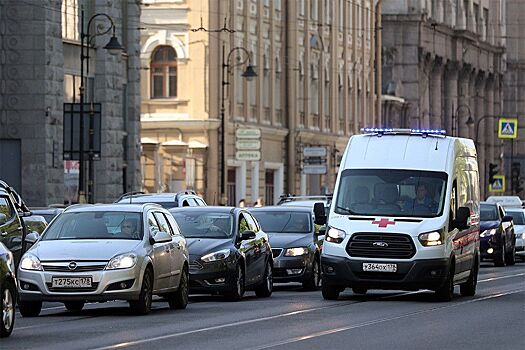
point(229, 253)
point(166, 200)
point(7, 291)
point(295, 241)
point(497, 238)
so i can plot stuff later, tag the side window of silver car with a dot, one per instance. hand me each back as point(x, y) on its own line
point(152, 223)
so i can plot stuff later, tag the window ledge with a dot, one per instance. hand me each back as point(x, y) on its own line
point(166, 101)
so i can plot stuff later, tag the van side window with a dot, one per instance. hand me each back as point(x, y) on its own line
point(453, 204)
point(5, 209)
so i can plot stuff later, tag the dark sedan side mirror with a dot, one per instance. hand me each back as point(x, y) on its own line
point(247, 235)
point(507, 218)
point(462, 216)
point(319, 214)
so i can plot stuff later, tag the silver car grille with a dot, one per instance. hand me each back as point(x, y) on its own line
point(73, 267)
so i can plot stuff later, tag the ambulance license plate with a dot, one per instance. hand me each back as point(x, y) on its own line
point(374, 267)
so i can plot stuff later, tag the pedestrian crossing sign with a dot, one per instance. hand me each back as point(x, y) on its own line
point(498, 185)
point(508, 128)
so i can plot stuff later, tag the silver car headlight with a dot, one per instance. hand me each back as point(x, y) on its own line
point(296, 251)
point(122, 261)
point(215, 256)
point(30, 262)
point(488, 233)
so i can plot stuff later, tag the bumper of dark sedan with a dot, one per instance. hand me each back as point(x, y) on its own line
point(292, 268)
point(214, 277)
point(410, 275)
point(486, 243)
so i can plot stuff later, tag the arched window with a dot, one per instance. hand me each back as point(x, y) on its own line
point(164, 72)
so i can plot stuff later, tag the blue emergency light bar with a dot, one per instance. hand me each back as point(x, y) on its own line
point(382, 131)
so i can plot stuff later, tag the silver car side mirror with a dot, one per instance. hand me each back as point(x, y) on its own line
point(32, 237)
point(161, 237)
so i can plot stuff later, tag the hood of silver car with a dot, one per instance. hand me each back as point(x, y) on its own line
point(59, 250)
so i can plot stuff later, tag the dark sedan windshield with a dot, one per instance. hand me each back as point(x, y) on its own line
point(204, 224)
point(96, 225)
point(391, 192)
point(280, 221)
point(488, 213)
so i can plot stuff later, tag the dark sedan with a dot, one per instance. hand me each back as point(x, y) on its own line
point(295, 242)
point(7, 291)
point(229, 253)
point(497, 238)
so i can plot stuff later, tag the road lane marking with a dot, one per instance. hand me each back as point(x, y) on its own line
point(501, 277)
point(288, 314)
point(374, 322)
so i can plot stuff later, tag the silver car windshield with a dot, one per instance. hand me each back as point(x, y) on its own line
point(96, 225)
point(408, 193)
point(281, 221)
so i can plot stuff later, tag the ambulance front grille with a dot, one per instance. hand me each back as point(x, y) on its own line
point(381, 245)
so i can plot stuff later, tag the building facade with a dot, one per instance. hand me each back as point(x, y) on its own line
point(514, 90)
point(445, 60)
point(315, 86)
point(40, 71)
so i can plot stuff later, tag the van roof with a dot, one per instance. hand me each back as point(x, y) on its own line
point(405, 151)
point(506, 201)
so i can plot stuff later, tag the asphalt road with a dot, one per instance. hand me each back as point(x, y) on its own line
point(294, 319)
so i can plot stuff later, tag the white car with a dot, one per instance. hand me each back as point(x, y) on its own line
point(106, 252)
point(518, 218)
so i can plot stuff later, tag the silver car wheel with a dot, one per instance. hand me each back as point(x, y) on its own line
point(8, 310)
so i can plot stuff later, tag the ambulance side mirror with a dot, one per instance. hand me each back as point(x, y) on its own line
point(319, 213)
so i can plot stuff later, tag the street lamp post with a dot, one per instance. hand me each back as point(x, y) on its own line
point(455, 118)
point(249, 74)
point(477, 125)
point(114, 48)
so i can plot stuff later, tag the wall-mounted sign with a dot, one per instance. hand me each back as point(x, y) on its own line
point(314, 152)
point(248, 133)
point(248, 144)
point(310, 169)
point(248, 155)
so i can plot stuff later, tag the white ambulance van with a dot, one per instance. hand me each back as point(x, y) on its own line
point(404, 215)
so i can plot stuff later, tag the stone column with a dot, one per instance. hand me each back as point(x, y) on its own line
point(461, 110)
point(451, 94)
point(436, 118)
point(450, 13)
point(212, 162)
point(424, 88)
point(489, 123)
point(479, 112)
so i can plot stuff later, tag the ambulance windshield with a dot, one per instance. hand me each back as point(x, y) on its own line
point(391, 192)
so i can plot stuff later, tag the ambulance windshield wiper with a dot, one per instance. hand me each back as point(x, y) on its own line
point(346, 210)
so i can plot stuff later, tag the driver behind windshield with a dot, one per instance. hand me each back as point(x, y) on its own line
point(128, 227)
point(422, 202)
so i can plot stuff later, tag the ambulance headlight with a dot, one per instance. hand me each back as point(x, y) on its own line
point(334, 235)
point(429, 239)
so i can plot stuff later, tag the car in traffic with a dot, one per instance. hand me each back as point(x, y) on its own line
point(507, 201)
point(166, 200)
point(229, 252)
point(48, 213)
point(497, 237)
point(106, 252)
point(518, 220)
point(296, 243)
point(7, 291)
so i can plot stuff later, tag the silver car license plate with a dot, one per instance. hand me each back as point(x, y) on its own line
point(375, 267)
point(71, 282)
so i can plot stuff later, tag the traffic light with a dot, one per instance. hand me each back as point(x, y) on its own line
point(493, 171)
point(515, 177)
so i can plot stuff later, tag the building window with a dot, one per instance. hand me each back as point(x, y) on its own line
point(314, 9)
point(164, 72)
point(328, 11)
point(300, 7)
point(231, 186)
point(341, 15)
point(486, 18)
point(314, 95)
point(269, 186)
point(70, 19)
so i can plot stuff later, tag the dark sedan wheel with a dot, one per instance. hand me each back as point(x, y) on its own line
point(30, 308)
point(74, 306)
point(499, 256)
point(265, 289)
point(314, 281)
point(237, 292)
point(510, 258)
point(179, 299)
point(331, 292)
point(142, 306)
point(7, 307)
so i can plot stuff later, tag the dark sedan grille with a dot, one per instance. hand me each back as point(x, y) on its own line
point(85, 268)
point(276, 252)
point(381, 245)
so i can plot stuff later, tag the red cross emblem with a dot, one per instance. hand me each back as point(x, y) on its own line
point(383, 222)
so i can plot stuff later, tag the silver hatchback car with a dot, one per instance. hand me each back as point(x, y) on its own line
point(106, 252)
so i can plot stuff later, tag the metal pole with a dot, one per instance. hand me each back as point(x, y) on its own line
point(81, 181)
point(223, 198)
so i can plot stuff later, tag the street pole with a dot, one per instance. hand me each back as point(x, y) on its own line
point(81, 180)
point(223, 199)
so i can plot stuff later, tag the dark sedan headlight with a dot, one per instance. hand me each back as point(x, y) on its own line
point(488, 233)
point(216, 256)
point(296, 251)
